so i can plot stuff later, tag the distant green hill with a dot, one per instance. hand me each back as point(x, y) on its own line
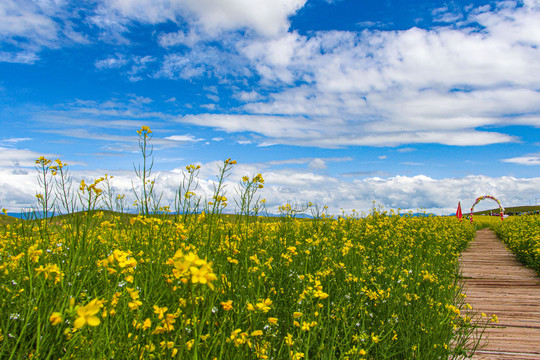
point(510, 209)
point(4, 219)
point(107, 215)
point(231, 217)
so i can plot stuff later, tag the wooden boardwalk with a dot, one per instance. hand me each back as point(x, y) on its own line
point(497, 283)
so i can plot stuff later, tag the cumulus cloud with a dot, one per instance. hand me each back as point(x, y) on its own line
point(446, 85)
point(32, 25)
point(454, 85)
point(285, 184)
point(265, 17)
point(19, 157)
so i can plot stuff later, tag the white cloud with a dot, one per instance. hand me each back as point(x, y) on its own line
point(248, 96)
point(312, 163)
point(456, 85)
point(336, 133)
point(189, 39)
point(19, 157)
point(406, 150)
point(27, 19)
point(139, 100)
point(447, 85)
point(266, 17)
point(132, 66)
point(24, 57)
point(213, 97)
point(524, 160)
point(317, 164)
point(29, 26)
point(301, 185)
point(272, 126)
point(112, 62)
point(14, 198)
point(184, 138)
point(13, 141)
point(203, 61)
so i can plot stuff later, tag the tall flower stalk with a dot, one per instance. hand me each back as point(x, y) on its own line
point(66, 200)
point(45, 172)
point(146, 198)
point(186, 201)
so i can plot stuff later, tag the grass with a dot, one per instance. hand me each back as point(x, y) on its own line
point(522, 236)
point(4, 219)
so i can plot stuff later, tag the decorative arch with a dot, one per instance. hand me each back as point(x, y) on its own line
point(501, 208)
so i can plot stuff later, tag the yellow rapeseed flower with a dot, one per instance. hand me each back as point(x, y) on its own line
point(168, 322)
point(264, 305)
point(289, 340)
point(160, 311)
point(202, 275)
point(34, 254)
point(87, 314)
point(56, 318)
point(227, 305)
point(135, 304)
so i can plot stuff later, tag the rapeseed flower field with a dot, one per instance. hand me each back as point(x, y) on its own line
point(196, 284)
point(521, 234)
point(373, 288)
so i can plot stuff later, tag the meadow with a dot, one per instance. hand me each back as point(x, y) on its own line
point(522, 236)
point(197, 284)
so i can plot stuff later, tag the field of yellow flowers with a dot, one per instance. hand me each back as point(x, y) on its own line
point(521, 234)
point(196, 284)
point(155, 287)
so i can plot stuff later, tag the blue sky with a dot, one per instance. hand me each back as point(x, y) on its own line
point(406, 103)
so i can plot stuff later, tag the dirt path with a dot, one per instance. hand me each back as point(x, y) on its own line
point(496, 283)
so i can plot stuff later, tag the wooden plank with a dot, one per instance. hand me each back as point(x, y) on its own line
point(497, 283)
